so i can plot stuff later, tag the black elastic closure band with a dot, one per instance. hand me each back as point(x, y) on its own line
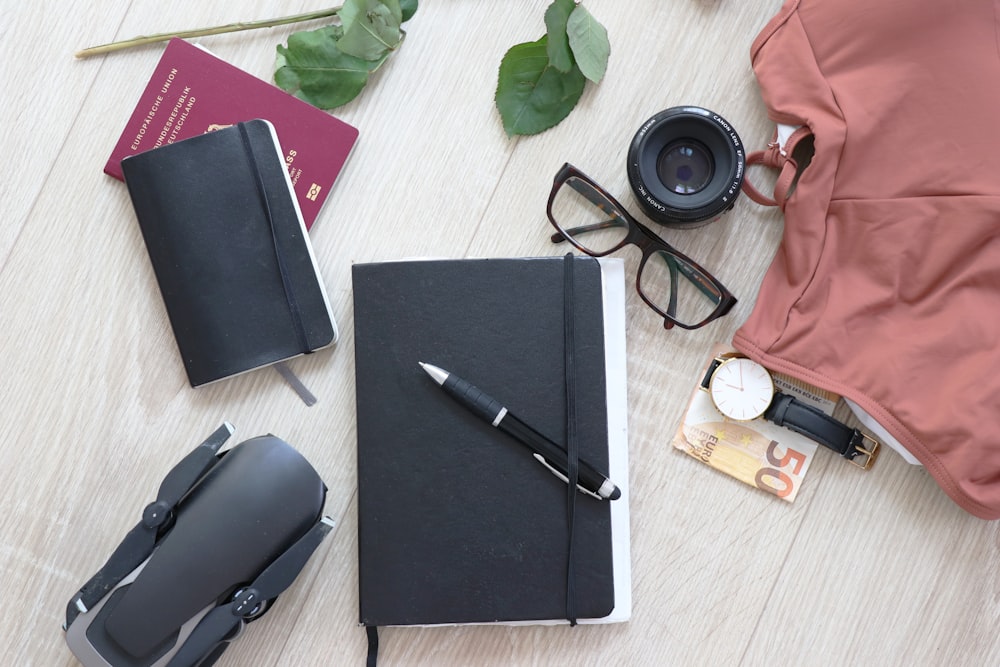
point(372, 631)
point(572, 446)
point(293, 305)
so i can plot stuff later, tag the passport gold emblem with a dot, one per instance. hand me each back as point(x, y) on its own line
point(313, 192)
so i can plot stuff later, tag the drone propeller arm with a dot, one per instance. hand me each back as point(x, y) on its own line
point(108, 576)
point(140, 540)
point(220, 623)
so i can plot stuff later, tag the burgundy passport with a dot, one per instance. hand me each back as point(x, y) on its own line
point(192, 92)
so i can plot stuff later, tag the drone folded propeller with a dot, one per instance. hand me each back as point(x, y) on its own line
point(227, 533)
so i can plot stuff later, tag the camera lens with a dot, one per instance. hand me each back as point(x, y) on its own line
point(685, 166)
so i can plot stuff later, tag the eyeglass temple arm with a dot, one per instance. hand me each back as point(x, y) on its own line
point(672, 304)
point(693, 276)
point(559, 237)
point(674, 265)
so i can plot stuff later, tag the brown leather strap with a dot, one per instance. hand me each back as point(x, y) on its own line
point(780, 158)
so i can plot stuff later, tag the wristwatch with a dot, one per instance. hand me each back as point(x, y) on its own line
point(742, 389)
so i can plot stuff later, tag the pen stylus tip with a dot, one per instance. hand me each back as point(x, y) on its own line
point(616, 494)
point(438, 374)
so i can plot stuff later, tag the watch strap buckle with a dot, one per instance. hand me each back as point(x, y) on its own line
point(864, 450)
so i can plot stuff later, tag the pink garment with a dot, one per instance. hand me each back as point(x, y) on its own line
point(886, 285)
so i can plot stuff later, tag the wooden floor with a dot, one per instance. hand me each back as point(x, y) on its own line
point(864, 568)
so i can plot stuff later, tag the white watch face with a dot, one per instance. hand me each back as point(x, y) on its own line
point(741, 389)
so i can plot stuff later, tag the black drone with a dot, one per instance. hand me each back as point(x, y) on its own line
point(226, 534)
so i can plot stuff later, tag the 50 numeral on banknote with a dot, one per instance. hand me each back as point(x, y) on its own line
point(775, 479)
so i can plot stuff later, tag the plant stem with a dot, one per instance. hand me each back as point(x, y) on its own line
point(218, 30)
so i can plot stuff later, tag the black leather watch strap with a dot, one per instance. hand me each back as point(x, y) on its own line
point(707, 380)
point(803, 418)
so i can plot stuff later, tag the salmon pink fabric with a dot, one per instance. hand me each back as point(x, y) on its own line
point(886, 285)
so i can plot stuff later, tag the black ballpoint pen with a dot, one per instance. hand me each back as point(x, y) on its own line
point(548, 453)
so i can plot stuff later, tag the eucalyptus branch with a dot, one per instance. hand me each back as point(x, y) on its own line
point(218, 30)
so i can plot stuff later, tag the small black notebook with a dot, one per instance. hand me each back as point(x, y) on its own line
point(230, 251)
point(457, 523)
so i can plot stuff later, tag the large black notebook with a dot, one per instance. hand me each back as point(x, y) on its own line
point(230, 251)
point(457, 523)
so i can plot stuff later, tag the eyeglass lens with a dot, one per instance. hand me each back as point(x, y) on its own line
point(597, 226)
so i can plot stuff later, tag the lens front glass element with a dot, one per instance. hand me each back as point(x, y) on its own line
point(678, 288)
point(587, 217)
point(685, 166)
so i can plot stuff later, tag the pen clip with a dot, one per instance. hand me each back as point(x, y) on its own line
point(563, 477)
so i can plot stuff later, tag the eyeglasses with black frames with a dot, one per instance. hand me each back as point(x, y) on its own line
point(670, 283)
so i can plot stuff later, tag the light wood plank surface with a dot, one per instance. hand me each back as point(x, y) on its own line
point(876, 568)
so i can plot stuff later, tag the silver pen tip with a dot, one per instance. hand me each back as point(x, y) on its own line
point(438, 374)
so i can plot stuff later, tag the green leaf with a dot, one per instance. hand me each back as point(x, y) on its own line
point(409, 8)
point(589, 41)
point(395, 9)
point(532, 95)
point(313, 69)
point(350, 11)
point(556, 17)
point(371, 28)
